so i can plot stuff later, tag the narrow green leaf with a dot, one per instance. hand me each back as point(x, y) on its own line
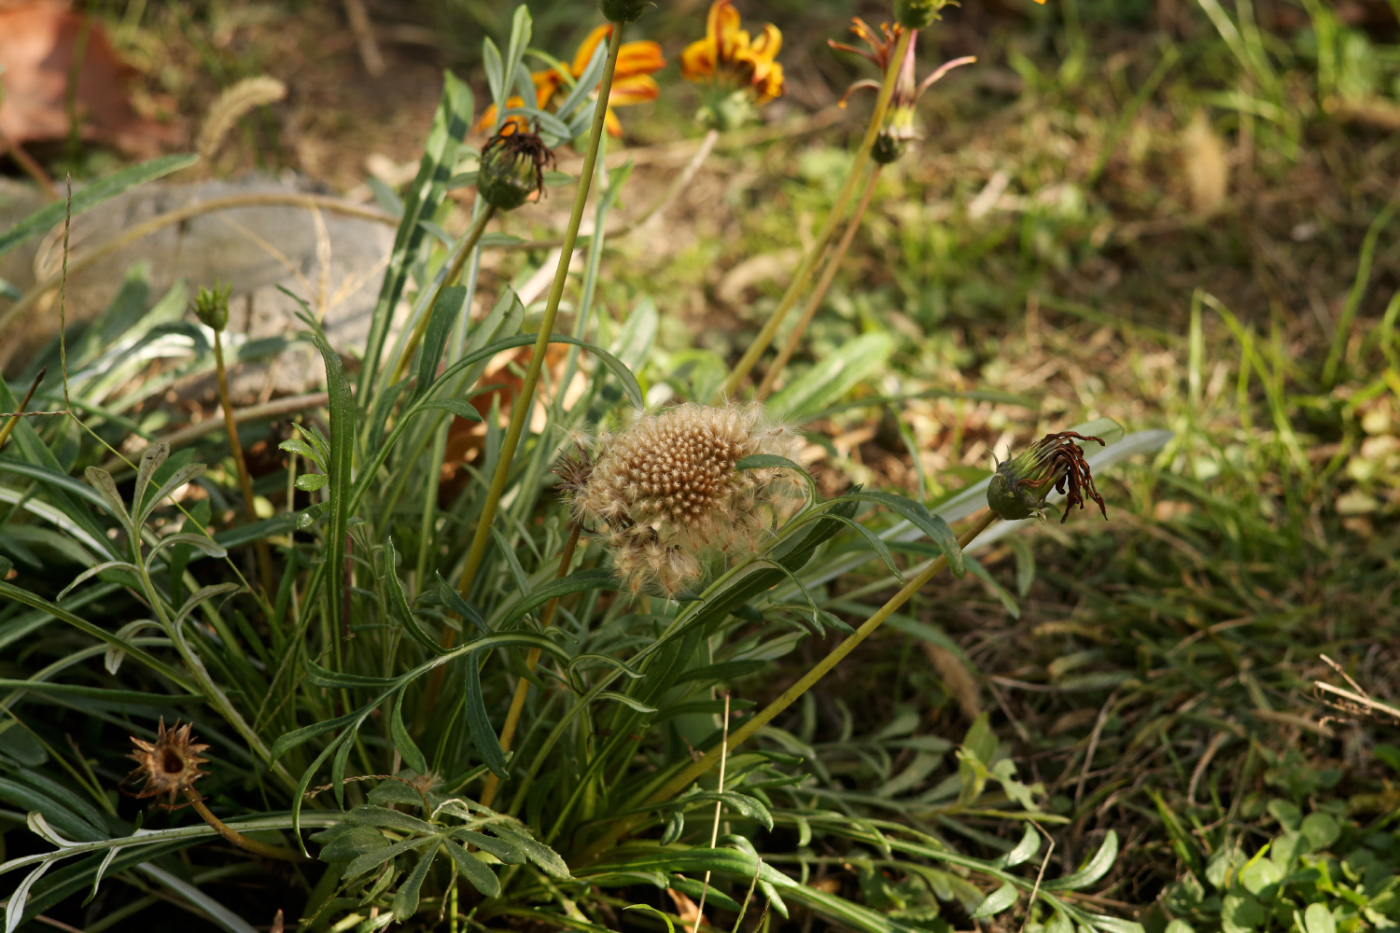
point(458, 406)
point(450, 303)
point(410, 752)
point(994, 903)
point(102, 481)
point(450, 125)
point(665, 917)
point(342, 440)
point(474, 870)
point(177, 479)
point(290, 740)
point(579, 581)
point(1024, 851)
point(488, 744)
point(405, 903)
point(625, 700)
point(324, 677)
point(399, 609)
point(1092, 871)
point(916, 514)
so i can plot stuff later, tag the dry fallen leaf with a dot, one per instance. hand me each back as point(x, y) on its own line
point(687, 910)
point(37, 42)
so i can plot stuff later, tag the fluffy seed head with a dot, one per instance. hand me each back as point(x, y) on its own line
point(170, 765)
point(665, 492)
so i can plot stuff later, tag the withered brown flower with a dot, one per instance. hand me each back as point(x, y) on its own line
point(1021, 485)
point(170, 764)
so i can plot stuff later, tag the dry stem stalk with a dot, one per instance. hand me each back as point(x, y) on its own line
point(838, 210)
point(833, 264)
point(237, 838)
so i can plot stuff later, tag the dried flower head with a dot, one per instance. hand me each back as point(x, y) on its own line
point(170, 765)
point(666, 492)
point(512, 167)
point(1021, 485)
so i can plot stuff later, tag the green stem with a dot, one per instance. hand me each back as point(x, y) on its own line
point(833, 264)
point(453, 274)
point(838, 210)
point(688, 776)
point(245, 480)
point(524, 400)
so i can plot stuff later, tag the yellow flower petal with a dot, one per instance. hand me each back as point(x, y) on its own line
point(634, 89)
point(585, 51)
point(698, 60)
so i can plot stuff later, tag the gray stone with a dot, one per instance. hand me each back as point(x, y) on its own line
point(332, 261)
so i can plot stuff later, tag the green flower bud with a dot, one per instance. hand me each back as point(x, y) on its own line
point(211, 307)
point(917, 14)
point(512, 167)
point(888, 148)
point(1019, 487)
point(624, 11)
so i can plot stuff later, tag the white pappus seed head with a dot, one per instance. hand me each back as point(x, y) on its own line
point(665, 492)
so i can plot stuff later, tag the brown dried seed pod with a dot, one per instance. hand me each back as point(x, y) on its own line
point(170, 765)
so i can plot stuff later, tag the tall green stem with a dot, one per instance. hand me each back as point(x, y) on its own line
point(686, 777)
point(838, 210)
point(245, 480)
point(524, 400)
point(453, 274)
point(833, 264)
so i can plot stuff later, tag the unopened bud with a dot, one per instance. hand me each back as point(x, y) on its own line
point(887, 148)
point(512, 167)
point(917, 14)
point(211, 307)
point(624, 11)
point(1021, 485)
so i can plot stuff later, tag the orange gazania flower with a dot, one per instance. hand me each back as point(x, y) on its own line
point(728, 55)
point(632, 80)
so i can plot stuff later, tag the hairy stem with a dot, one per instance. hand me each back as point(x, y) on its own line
point(234, 836)
point(245, 481)
point(517, 702)
point(838, 210)
point(833, 264)
point(688, 776)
